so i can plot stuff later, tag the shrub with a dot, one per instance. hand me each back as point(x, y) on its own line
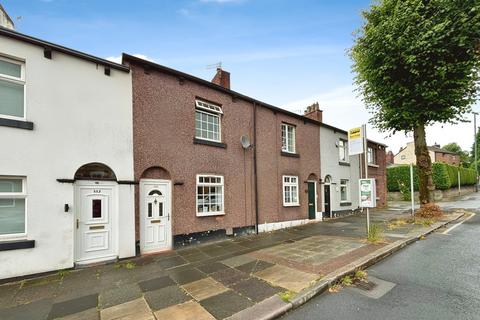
point(347, 281)
point(441, 179)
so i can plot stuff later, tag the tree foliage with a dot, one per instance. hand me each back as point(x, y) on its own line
point(417, 61)
point(455, 148)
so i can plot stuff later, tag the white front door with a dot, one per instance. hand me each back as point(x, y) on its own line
point(155, 215)
point(95, 221)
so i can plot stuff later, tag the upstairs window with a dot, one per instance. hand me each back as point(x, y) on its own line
point(288, 138)
point(343, 150)
point(13, 197)
point(210, 195)
point(290, 191)
point(371, 156)
point(12, 89)
point(208, 121)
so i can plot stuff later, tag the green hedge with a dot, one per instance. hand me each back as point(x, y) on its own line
point(444, 177)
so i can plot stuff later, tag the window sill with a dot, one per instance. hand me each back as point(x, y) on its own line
point(345, 204)
point(291, 205)
point(200, 215)
point(209, 143)
point(373, 165)
point(346, 164)
point(16, 244)
point(289, 154)
point(20, 124)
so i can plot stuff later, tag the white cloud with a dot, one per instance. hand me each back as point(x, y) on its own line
point(118, 59)
point(343, 109)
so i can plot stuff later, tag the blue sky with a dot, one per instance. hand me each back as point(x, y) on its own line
point(287, 53)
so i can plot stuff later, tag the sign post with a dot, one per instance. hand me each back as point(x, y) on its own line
point(412, 189)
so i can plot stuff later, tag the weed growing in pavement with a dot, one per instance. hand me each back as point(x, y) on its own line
point(63, 273)
point(374, 234)
point(360, 275)
point(130, 265)
point(394, 224)
point(286, 295)
point(334, 288)
point(347, 281)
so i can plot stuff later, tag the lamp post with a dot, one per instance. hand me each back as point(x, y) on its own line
point(475, 149)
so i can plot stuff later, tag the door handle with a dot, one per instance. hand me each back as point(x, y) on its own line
point(77, 223)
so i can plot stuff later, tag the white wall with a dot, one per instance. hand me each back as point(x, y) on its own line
point(80, 116)
point(329, 161)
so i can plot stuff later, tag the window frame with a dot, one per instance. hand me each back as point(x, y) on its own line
point(373, 156)
point(16, 195)
point(209, 184)
point(213, 110)
point(290, 184)
point(16, 80)
point(285, 148)
point(344, 146)
point(346, 185)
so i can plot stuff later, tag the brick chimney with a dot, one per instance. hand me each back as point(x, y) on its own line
point(390, 158)
point(314, 112)
point(222, 78)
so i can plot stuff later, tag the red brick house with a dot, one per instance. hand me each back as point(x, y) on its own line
point(211, 161)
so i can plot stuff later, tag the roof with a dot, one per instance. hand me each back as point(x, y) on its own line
point(186, 76)
point(55, 47)
point(440, 150)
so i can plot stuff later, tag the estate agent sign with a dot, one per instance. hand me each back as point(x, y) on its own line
point(367, 193)
point(355, 141)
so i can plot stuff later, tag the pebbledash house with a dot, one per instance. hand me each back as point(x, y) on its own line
point(103, 161)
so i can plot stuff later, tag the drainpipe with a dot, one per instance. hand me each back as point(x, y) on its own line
point(255, 163)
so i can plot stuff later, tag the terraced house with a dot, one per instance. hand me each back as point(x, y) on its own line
point(213, 162)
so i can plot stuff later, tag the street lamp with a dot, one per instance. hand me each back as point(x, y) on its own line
point(475, 149)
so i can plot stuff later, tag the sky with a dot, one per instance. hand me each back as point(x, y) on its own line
point(286, 53)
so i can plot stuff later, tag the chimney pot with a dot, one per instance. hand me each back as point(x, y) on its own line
point(314, 112)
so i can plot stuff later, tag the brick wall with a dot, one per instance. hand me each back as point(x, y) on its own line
point(448, 158)
point(379, 173)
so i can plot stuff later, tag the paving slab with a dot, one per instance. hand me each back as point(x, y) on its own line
point(73, 306)
point(270, 308)
point(226, 304)
point(229, 276)
point(35, 310)
point(37, 290)
point(254, 266)
point(156, 283)
point(119, 295)
point(185, 311)
point(238, 260)
point(209, 268)
point(255, 289)
point(165, 297)
point(133, 310)
point(7, 292)
point(288, 278)
point(203, 289)
point(183, 276)
point(90, 314)
point(172, 262)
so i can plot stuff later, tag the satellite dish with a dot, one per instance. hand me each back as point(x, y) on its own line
point(245, 141)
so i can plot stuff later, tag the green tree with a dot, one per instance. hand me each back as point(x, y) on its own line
point(417, 63)
point(472, 153)
point(455, 148)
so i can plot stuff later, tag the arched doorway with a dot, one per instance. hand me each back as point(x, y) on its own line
point(96, 214)
point(155, 210)
point(327, 202)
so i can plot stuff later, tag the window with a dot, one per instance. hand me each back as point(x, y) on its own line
point(343, 150)
point(371, 156)
point(288, 138)
point(403, 157)
point(290, 191)
point(344, 190)
point(207, 121)
point(96, 208)
point(12, 89)
point(12, 206)
point(210, 195)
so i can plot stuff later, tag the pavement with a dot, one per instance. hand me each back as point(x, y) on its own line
point(256, 276)
point(432, 279)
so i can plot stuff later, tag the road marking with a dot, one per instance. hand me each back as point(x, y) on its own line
point(457, 224)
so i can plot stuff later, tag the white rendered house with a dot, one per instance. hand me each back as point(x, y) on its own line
point(66, 162)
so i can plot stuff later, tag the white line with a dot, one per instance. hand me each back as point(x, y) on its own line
point(456, 225)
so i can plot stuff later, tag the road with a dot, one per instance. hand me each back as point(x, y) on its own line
point(436, 278)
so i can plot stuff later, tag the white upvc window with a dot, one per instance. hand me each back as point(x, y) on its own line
point(208, 121)
point(290, 191)
point(210, 195)
point(371, 155)
point(13, 207)
point(12, 89)
point(342, 150)
point(288, 138)
point(344, 190)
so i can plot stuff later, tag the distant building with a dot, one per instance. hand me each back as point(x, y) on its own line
point(390, 158)
point(407, 155)
point(5, 20)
